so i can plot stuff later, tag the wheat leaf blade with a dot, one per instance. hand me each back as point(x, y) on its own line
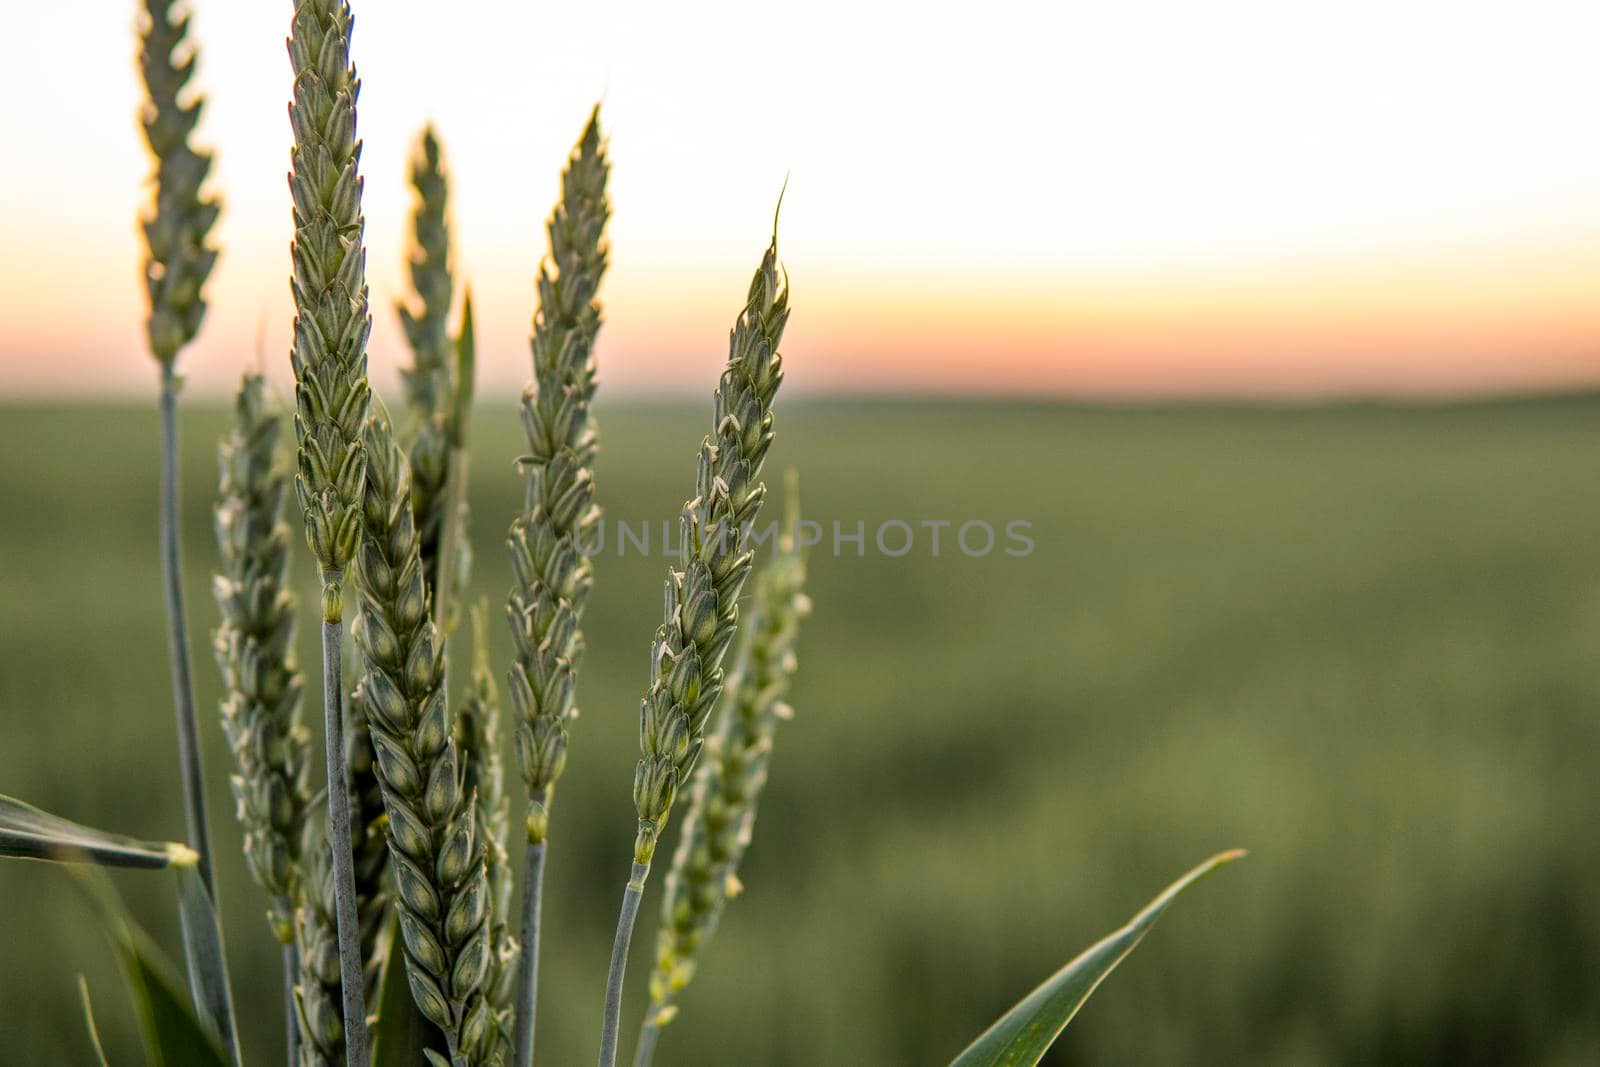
point(170, 1026)
point(26, 832)
point(207, 962)
point(400, 1035)
point(1022, 1036)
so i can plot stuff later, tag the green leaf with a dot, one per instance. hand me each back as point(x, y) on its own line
point(1022, 1036)
point(207, 964)
point(88, 1019)
point(172, 1032)
point(28, 833)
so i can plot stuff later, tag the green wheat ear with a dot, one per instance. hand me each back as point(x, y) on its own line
point(720, 822)
point(700, 601)
point(430, 381)
point(441, 893)
point(701, 595)
point(329, 354)
point(178, 260)
point(483, 774)
point(330, 290)
point(318, 991)
point(552, 575)
point(254, 650)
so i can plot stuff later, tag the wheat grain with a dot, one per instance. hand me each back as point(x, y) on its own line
point(254, 651)
point(720, 821)
point(701, 595)
point(441, 891)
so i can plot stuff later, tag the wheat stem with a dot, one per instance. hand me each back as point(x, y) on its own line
point(612, 1022)
point(191, 769)
point(291, 1028)
point(351, 977)
point(649, 1034)
point(528, 960)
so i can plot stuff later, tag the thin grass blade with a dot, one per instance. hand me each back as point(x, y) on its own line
point(88, 1021)
point(1022, 1036)
point(29, 833)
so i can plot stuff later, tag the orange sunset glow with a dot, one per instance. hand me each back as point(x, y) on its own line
point(1145, 200)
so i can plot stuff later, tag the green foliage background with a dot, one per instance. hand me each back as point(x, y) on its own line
point(1361, 642)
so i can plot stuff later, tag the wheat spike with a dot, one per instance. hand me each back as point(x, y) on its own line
point(254, 651)
point(701, 594)
point(430, 384)
point(178, 260)
point(552, 576)
point(441, 891)
point(330, 289)
point(318, 992)
point(720, 821)
point(478, 738)
point(329, 354)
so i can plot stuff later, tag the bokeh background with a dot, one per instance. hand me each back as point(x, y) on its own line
point(1275, 322)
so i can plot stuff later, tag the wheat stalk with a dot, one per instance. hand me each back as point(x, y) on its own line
point(478, 738)
point(728, 783)
point(701, 595)
point(331, 398)
point(552, 576)
point(177, 263)
point(441, 891)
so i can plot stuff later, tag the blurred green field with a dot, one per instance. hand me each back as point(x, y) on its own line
point(1361, 642)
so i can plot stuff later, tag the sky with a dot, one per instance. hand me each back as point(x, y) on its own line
point(1079, 199)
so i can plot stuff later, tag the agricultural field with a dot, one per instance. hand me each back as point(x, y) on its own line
point(1360, 641)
